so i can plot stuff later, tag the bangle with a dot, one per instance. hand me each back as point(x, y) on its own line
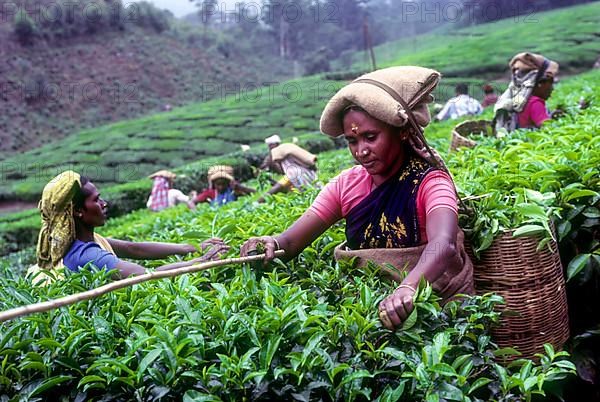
point(407, 287)
point(276, 244)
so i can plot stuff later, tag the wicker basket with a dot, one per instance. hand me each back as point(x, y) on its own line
point(462, 131)
point(532, 285)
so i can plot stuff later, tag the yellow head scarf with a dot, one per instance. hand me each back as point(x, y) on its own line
point(58, 226)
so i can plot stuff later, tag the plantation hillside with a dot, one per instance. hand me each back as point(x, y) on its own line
point(68, 75)
point(308, 329)
point(129, 150)
point(184, 135)
point(569, 36)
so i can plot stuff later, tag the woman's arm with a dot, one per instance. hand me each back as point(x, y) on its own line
point(240, 189)
point(216, 248)
point(438, 256)
point(148, 250)
point(283, 185)
point(440, 252)
point(127, 268)
point(295, 239)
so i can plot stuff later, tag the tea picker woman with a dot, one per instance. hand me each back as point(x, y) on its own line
point(71, 209)
point(523, 104)
point(163, 195)
point(223, 187)
point(399, 202)
point(297, 165)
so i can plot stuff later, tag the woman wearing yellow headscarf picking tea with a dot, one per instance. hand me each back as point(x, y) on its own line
point(71, 209)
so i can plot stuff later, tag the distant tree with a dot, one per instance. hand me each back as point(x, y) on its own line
point(350, 13)
point(24, 27)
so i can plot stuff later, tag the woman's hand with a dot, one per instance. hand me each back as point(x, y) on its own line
point(268, 242)
point(558, 113)
point(188, 248)
point(396, 308)
point(214, 248)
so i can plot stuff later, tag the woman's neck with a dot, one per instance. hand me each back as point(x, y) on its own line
point(83, 233)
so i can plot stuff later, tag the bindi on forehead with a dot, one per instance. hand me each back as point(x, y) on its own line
point(354, 128)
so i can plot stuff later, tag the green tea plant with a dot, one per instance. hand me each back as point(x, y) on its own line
point(525, 181)
point(19, 230)
point(129, 150)
point(305, 331)
point(546, 183)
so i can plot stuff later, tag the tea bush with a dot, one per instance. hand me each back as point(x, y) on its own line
point(303, 331)
point(198, 131)
point(24, 28)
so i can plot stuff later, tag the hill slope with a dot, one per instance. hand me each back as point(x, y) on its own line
point(129, 150)
point(569, 36)
point(51, 88)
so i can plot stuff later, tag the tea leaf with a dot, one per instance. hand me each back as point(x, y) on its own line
point(528, 230)
point(576, 265)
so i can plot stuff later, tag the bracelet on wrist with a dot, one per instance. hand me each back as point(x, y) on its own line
point(407, 287)
point(278, 247)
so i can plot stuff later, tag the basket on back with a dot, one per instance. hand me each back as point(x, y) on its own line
point(533, 287)
point(462, 132)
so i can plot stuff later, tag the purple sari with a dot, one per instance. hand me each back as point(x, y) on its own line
point(387, 217)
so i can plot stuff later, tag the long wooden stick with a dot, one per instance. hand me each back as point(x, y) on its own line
point(133, 280)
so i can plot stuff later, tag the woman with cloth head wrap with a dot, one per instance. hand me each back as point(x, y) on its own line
point(297, 165)
point(399, 203)
point(162, 195)
point(222, 187)
point(71, 209)
point(523, 104)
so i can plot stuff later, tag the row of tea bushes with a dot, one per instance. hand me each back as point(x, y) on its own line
point(306, 330)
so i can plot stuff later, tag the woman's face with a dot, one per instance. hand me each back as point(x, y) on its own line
point(377, 146)
point(94, 211)
point(544, 88)
point(221, 185)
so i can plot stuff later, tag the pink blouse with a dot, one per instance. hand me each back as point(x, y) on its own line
point(350, 187)
point(534, 114)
